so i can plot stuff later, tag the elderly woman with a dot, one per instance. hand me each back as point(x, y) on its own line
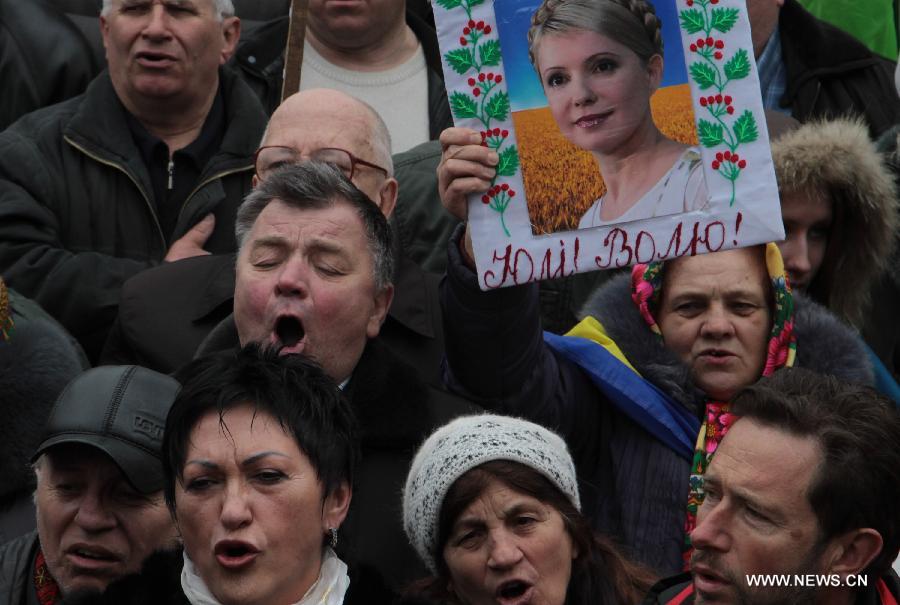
point(258, 454)
point(492, 506)
point(657, 355)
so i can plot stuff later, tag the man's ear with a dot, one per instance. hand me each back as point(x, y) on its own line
point(335, 507)
point(231, 33)
point(104, 33)
point(379, 311)
point(388, 196)
point(850, 553)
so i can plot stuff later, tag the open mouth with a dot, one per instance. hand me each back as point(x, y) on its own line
point(513, 592)
point(154, 58)
point(233, 554)
point(89, 557)
point(289, 331)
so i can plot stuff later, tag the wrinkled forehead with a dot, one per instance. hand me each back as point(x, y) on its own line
point(310, 126)
point(335, 220)
point(726, 267)
point(203, 5)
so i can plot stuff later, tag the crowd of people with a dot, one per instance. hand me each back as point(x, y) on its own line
point(244, 356)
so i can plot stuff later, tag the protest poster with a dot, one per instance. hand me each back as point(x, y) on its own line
point(615, 148)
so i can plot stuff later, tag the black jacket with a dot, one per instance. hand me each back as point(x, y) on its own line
point(260, 61)
point(77, 216)
point(633, 487)
point(16, 563)
point(831, 73)
point(44, 58)
point(37, 361)
point(159, 583)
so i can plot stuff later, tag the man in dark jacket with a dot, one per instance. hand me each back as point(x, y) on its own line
point(167, 311)
point(137, 170)
point(314, 277)
point(801, 496)
point(812, 69)
point(99, 495)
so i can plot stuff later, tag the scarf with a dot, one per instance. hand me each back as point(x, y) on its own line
point(328, 589)
point(45, 586)
point(646, 282)
point(6, 320)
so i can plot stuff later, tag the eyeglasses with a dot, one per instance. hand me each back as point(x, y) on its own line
point(272, 157)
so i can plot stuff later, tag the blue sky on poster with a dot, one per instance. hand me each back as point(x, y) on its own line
point(513, 20)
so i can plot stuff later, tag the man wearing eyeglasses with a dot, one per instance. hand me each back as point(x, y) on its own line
point(167, 311)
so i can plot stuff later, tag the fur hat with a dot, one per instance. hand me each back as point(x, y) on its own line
point(467, 442)
point(837, 156)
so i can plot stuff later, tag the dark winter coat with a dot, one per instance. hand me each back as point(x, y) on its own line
point(44, 58)
point(77, 215)
point(260, 61)
point(159, 583)
point(37, 360)
point(830, 73)
point(633, 487)
point(16, 564)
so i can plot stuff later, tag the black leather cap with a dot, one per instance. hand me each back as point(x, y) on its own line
point(121, 410)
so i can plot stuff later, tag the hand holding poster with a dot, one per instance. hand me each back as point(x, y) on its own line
point(626, 131)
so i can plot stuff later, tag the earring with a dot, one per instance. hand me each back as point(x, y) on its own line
point(334, 536)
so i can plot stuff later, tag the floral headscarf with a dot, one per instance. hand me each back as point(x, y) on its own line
point(646, 288)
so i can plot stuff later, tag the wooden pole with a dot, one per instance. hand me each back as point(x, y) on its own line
point(293, 52)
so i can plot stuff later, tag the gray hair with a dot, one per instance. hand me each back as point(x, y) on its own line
point(224, 8)
point(313, 185)
point(632, 23)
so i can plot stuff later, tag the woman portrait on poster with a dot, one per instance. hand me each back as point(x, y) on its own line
point(599, 62)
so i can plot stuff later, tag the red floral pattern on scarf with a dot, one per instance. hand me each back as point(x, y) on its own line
point(46, 587)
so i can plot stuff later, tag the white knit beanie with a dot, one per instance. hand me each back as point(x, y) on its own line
point(467, 442)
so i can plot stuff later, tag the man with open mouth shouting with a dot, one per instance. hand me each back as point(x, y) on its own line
point(315, 277)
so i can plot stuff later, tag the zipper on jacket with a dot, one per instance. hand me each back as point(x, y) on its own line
point(122, 169)
point(171, 170)
point(204, 183)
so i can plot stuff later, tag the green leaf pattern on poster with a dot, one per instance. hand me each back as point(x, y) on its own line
point(714, 68)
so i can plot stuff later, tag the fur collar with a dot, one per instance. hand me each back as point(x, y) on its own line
point(824, 344)
point(837, 156)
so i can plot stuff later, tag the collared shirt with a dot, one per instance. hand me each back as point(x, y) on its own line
point(772, 74)
point(173, 179)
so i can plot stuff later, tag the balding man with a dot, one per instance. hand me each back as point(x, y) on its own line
point(166, 312)
point(137, 170)
point(811, 69)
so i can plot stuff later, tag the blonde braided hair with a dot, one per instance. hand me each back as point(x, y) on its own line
point(632, 23)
